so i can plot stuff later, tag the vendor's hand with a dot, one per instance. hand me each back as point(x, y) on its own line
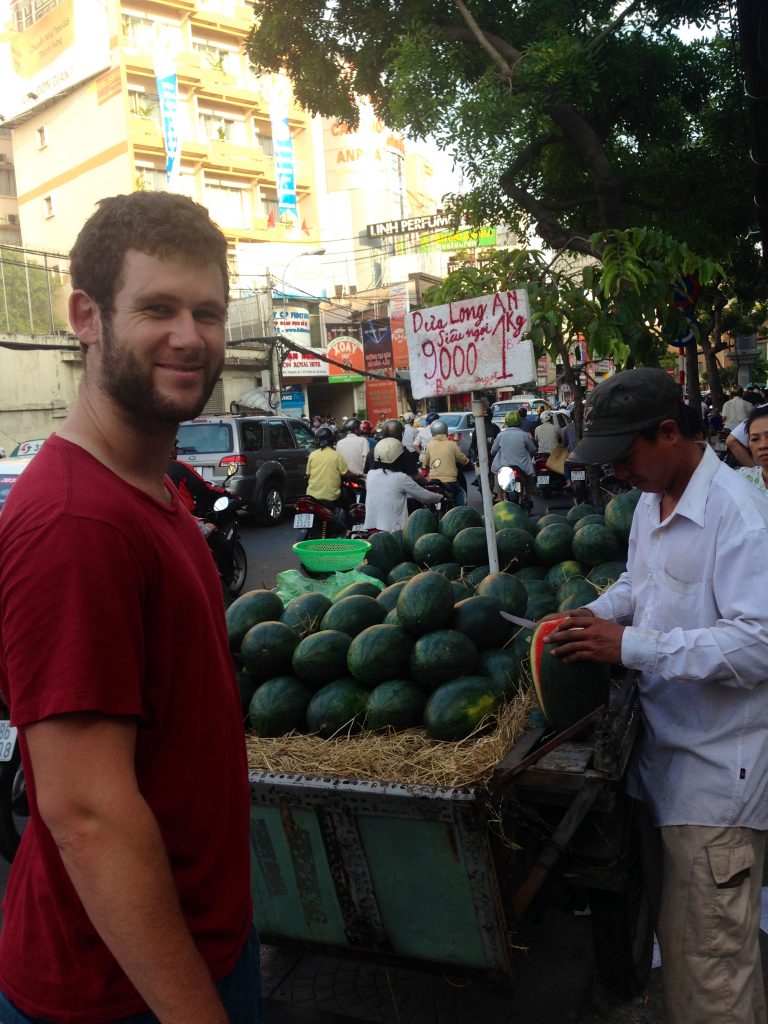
point(563, 615)
point(583, 637)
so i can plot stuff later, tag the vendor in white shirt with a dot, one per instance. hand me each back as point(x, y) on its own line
point(690, 614)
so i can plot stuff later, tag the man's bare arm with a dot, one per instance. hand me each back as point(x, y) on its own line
point(739, 452)
point(113, 851)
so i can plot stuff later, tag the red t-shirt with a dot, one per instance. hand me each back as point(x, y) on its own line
point(110, 602)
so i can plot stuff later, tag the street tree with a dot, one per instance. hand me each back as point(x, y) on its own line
point(575, 121)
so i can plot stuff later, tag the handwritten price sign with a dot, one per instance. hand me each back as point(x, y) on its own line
point(471, 344)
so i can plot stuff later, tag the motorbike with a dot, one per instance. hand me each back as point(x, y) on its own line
point(316, 519)
point(579, 483)
point(14, 806)
point(512, 482)
point(224, 542)
point(547, 480)
point(446, 502)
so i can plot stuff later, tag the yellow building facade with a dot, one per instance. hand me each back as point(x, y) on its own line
point(105, 135)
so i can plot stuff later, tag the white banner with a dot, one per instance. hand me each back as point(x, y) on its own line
point(471, 345)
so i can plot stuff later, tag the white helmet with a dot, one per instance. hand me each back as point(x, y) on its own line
point(388, 450)
point(408, 417)
point(546, 416)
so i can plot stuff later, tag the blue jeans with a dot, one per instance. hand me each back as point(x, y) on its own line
point(240, 992)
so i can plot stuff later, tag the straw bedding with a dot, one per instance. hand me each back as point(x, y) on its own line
point(406, 757)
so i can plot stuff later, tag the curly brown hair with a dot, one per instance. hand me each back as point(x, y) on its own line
point(156, 223)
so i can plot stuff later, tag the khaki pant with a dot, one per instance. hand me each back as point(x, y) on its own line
point(709, 925)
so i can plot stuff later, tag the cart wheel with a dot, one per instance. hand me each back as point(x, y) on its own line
point(622, 930)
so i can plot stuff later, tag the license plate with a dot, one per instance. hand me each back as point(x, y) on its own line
point(7, 739)
point(303, 521)
point(206, 472)
point(578, 474)
point(542, 479)
point(721, 446)
point(437, 506)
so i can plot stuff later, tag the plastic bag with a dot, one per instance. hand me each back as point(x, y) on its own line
point(293, 583)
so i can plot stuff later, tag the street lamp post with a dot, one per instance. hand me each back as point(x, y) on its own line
point(307, 252)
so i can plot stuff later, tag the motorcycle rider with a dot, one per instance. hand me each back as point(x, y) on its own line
point(548, 434)
point(353, 447)
point(395, 429)
point(513, 447)
point(326, 469)
point(366, 430)
point(389, 486)
point(424, 435)
point(443, 458)
point(409, 432)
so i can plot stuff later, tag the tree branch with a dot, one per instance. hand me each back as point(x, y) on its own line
point(617, 23)
point(460, 34)
point(589, 147)
point(485, 43)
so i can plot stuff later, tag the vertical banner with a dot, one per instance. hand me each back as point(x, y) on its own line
point(345, 346)
point(168, 95)
point(380, 395)
point(285, 167)
point(398, 309)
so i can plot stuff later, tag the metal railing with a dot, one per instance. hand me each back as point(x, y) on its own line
point(33, 291)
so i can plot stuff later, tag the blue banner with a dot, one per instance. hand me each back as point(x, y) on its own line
point(285, 170)
point(168, 94)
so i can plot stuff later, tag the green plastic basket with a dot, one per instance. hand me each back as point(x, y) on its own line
point(331, 554)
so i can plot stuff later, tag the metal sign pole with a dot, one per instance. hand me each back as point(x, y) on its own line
point(480, 411)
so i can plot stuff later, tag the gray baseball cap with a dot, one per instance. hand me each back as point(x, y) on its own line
point(619, 408)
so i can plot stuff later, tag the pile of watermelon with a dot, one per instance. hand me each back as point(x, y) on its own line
point(430, 649)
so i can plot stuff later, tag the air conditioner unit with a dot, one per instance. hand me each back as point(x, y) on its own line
point(13, 218)
point(338, 290)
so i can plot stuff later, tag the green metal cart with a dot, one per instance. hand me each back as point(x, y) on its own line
point(437, 877)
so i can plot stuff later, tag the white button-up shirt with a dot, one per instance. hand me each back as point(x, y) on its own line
point(695, 601)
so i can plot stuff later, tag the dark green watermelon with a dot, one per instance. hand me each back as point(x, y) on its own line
point(550, 519)
point(461, 590)
point(515, 549)
point(402, 571)
point(578, 512)
point(440, 656)
point(321, 657)
point(563, 571)
point(391, 618)
point(507, 590)
point(581, 594)
point(385, 551)
point(388, 597)
point(339, 707)
point(395, 704)
point(458, 519)
point(305, 613)
point(425, 603)
point(595, 544)
point(619, 512)
point(588, 521)
point(606, 573)
point(460, 706)
point(540, 605)
point(267, 649)
point(374, 571)
point(470, 546)
point(531, 572)
point(431, 549)
point(480, 619)
point(354, 614)
point(502, 667)
point(451, 570)
point(248, 610)
point(380, 653)
point(475, 576)
point(372, 589)
point(279, 706)
point(419, 522)
point(553, 544)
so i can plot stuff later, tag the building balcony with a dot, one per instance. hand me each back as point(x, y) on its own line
point(232, 156)
point(224, 15)
point(145, 132)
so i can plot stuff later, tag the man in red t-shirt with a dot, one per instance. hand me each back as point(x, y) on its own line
point(130, 891)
